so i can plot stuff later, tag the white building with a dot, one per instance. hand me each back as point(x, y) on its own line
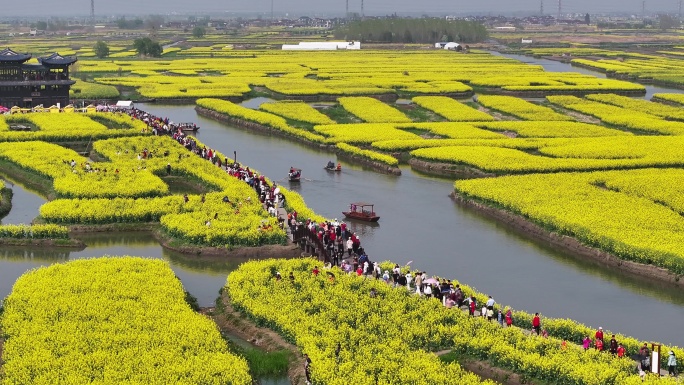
point(322, 46)
point(450, 45)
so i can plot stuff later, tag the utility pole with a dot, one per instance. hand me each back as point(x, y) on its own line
point(680, 10)
point(362, 14)
point(92, 11)
point(560, 7)
point(271, 10)
point(541, 8)
point(643, 10)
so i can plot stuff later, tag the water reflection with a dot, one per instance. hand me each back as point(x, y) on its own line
point(255, 103)
point(26, 203)
point(201, 276)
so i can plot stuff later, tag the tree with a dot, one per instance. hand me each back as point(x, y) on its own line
point(41, 25)
point(148, 47)
point(586, 19)
point(122, 23)
point(667, 22)
point(198, 32)
point(101, 49)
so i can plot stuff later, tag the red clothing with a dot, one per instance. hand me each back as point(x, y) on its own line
point(599, 345)
point(599, 335)
point(536, 322)
point(315, 271)
point(359, 271)
point(620, 351)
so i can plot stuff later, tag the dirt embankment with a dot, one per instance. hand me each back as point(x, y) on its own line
point(571, 244)
point(231, 321)
point(376, 166)
point(447, 169)
point(50, 243)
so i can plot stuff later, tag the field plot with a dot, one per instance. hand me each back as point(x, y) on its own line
point(561, 154)
point(69, 126)
point(636, 215)
point(290, 74)
point(520, 108)
point(619, 116)
point(651, 69)
point(677, 99)
point(451, 109)
point(316, 309)
point(372, 110)
point(297, 111)
point(111, 321)
point(124, 187)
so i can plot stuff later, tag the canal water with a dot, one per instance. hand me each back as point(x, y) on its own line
point(556, 66)
point(419, 224)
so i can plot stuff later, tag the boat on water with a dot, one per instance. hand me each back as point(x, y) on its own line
point(294, 175)
point(331, 167)
point(188, 127)
point(361, 211)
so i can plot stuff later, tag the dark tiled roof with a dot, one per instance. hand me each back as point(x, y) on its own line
point(57, 59)
point(33, 67)
point(7, 55)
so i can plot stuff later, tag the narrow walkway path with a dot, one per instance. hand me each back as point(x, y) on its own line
point(478, 313)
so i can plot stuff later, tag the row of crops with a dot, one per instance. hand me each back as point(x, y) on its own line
point(110, 321)
point(125, 187)
point(339, 326)
point(340, 74)
point(545, 137)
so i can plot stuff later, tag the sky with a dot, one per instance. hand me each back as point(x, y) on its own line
point(215, 8)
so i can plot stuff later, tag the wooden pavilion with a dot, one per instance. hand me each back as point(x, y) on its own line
point(28, 85)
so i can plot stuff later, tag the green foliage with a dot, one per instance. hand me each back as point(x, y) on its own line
point(198, 32)
point(101, 49)
point(426, 30)
point(129, 24)
point(148, 47)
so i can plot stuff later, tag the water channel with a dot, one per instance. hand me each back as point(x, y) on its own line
point(418, 223)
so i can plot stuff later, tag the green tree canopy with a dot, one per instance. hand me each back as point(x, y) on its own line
point(425, 30)
point(101, 49)
point(198, 32)
point(148, 47)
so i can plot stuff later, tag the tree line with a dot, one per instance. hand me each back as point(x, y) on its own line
point(427, 30)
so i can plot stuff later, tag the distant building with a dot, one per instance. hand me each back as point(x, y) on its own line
point(29, 85)
point(449, 45)
point(322, 46)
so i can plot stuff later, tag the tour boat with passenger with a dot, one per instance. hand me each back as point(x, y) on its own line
point(361, 211)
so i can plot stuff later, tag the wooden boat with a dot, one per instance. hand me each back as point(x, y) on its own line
point(294, 175)
point(361, 211)
point(334, 168)
point(188, 127)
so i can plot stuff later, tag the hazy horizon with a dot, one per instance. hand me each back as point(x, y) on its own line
point(41, 8)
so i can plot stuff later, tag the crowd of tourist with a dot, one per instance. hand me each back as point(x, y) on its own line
point(343, 248)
